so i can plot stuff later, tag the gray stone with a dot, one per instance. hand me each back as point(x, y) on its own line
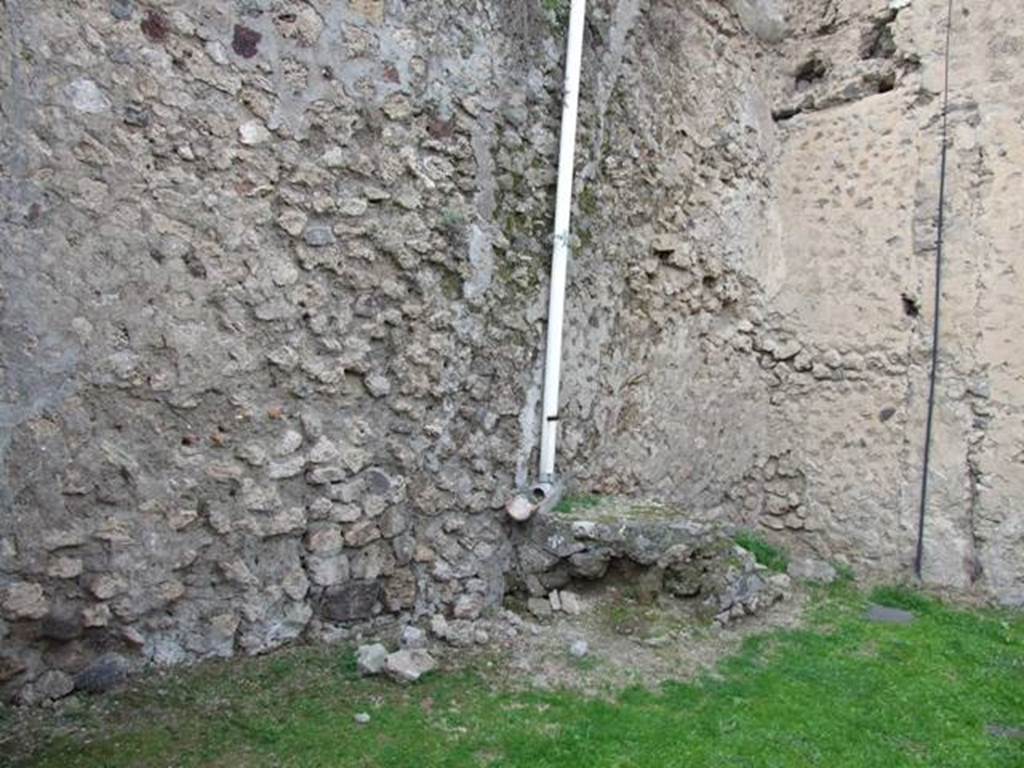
point(85, 96)
point(10, 667)
point(592, 564)
point(460, 633)
point(51, 685)
point(1013, 733)
point(318, 236)
point(103, 674)
point(136, 115)
point(362, 533)
point(61, 624)
point(370, 659)
point(468, 606)
point(351, 601)
point(408, 666)
point(122, 9)
point(252, 133)
point(555, 600)
point(571, 603)
point(579, 648)
point(413, 637)
point(539, 607)
point(23, 600)
point(327, 571)
point(362, 718)
point(439, 626)
point(883, 614)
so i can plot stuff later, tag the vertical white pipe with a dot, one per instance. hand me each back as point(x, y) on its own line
point(560, 250)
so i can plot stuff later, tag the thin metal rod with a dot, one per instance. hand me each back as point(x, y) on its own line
point(939, 243)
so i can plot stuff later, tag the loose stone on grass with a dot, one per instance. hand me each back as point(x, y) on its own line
point(370, 659)
point(408, 666)
point(579, 648)
point(882, 614)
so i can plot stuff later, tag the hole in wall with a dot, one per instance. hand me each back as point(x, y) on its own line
point(811, 71)
point(887, 82)
point(911, 306)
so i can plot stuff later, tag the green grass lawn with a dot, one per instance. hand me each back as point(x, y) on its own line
point(842, 693)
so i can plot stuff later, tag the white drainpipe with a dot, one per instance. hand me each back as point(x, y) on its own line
point(560, 251)
point(547, 491)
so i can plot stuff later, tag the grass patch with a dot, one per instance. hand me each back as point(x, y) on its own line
point(941, 692)
point(571, 505)
point(772, 558)
point(902, 597)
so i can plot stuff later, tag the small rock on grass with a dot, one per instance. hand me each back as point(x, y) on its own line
point(370, 659)
point(362, 717)
point(408, 666)
point(882, 614)
point(579, 649)
point(1005, 732)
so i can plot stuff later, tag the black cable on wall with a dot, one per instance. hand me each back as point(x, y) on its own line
point(939, 242)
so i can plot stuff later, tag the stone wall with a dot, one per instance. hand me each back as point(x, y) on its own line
point(271, 297)
point(767, 356)
point(273, 281)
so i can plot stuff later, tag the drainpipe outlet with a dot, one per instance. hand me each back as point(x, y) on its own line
point(540, 497)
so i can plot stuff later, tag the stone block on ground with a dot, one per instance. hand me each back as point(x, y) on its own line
point(408, 666)
point(883, 614)
point(370, 659)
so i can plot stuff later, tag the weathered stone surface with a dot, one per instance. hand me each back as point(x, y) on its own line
point(362, 533)
point(413, 637)
point(882, 614)
point(468, 606)
point(570, 602)
point(370, 659)
point(662, 550)
point(351, 601)
point(539, 607)
point(23, 600)
point(328, 571)
point(408, 666)
point(104, 673)
point(51, 685)
point(63, 624)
